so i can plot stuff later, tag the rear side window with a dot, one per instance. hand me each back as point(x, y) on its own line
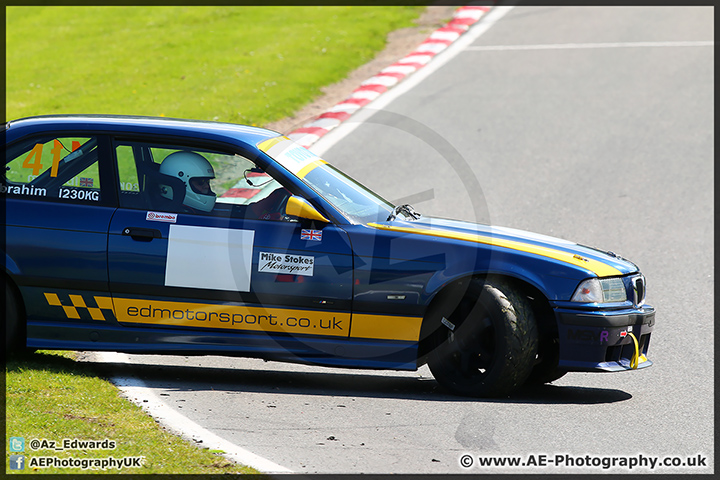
point(63, 168)
point(127, 169)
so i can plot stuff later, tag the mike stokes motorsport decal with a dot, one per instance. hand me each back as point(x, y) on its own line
point(291, 264)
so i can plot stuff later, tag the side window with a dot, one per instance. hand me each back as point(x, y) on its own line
point(127, 169)
point(129, 187)
point(180, 179)
point(63, 168)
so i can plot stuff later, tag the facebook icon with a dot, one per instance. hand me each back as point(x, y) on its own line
point(17, 462)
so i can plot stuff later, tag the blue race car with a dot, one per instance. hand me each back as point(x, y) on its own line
point(153, 235)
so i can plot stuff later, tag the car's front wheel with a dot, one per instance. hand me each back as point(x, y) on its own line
point(546, 367)
point(486, 346)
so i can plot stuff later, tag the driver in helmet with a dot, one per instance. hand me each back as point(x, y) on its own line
point(195, 172)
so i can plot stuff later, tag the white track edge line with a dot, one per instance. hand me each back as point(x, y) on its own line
point(327, 141)
point(137, 392)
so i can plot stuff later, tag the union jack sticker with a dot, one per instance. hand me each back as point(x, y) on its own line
point(86, 182)
point(307, 234)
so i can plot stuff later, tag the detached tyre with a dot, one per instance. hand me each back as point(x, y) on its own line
point(486, 346)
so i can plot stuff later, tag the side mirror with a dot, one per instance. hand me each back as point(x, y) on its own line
point(299, 207)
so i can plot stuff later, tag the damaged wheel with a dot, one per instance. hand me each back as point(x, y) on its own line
point(486, 346)
point(546, 367)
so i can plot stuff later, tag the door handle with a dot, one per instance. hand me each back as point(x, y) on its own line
point(143, 234)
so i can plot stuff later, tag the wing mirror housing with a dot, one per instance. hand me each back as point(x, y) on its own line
point(299, 207)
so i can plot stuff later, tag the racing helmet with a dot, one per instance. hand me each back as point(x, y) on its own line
point(186, 166)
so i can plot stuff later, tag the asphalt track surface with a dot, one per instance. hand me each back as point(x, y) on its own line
point(590, 124)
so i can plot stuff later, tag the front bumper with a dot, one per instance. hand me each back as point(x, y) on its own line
point(600, 340)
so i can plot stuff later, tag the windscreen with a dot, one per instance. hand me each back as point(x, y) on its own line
point(357, 203)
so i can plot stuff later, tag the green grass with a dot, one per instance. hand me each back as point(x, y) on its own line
point(250, 65)
point(50, 396)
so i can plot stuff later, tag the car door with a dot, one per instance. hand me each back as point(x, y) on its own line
point(60, 199)
point(234, 274)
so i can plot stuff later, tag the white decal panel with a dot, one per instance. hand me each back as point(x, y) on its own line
point(286, 263)
point(209, 258)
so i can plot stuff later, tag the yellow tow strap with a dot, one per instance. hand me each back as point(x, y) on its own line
point(635, 360)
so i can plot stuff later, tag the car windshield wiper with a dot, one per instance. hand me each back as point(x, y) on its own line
point(406, 210)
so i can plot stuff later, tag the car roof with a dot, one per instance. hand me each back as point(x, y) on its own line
point(200, 129)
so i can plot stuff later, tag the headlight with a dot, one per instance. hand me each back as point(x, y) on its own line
point(600, 290)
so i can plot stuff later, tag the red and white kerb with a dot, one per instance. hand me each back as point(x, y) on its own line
point(388, 77)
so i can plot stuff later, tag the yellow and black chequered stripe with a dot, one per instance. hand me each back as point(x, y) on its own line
point(166, 313)
point(77, 301)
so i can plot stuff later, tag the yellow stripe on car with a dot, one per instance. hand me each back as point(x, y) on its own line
point(290, 155)
point(260, 319)
point(237, 317)
point(308, 168)
point(599, 268)
point(267, 319)
point(71, 311)
point(266, 145)
point(385, 327)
